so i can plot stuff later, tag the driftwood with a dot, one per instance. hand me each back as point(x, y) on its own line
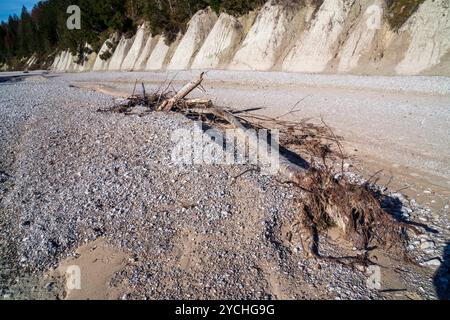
point(168, 104)
point(195, 103)
point(288, 170)
point(356, 210)
point(327, 201)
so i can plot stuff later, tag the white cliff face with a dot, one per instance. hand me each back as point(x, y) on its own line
point(141, 61)
point(221, 43)
point(61, 61)
point(119, 54)
point(158, 55)
point(346, 35)
point(72, 66)
point(89, 61)
point(315, 48)
point(55, 61)
point(86, 62)
point(262, 45)
point(135, 51)
point(100, 64)
point(30, 62)
point(66, 62)
point(361, 36)
point(198, 29)
point(429, 29)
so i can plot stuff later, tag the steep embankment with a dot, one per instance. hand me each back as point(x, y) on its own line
point(349, 36)
point(198, 29)
point(220, 44)
point(141, 61)
point(136, 49)
point(429, 30)
point(362, 36)
point(264, 42)
point(120, 53)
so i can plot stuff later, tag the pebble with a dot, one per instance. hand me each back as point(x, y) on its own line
point(427, 244)
point(124, 165)
point(432, 263)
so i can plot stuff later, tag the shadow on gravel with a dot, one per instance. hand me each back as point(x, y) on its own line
point(441, 278)
point(394, 206)
point(22, 76)
point(12, 78)
point(291, 156)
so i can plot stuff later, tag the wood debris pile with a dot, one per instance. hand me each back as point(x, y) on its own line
point(327, 200)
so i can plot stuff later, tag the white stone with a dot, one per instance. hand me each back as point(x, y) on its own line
point(158, 55)
point(263, 43)
point(434, 263)
point(120, 53)
point(198, 29)
point(221, 43)
point(361, 36)
point(136, 49)
point(427, 245)
point(145, 54)
point(429, 29)
point(316, 47)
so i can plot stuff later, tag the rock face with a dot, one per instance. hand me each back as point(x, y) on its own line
point(262, 45)
point(71, 65)
point(158, 55)
point(135, 51)
point(429, 29)
point(65, 62)
point(221, 43)
point(120, 53)
point(31, 61)
point(198, 29)
point(100, 64)
point(89, 63)
point(314, 49)
point(56, 61)
point(346, 36)
point(61, 61)
point(361, 36)
point(145, 53)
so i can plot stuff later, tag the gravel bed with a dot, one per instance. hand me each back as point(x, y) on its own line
point(70, 174)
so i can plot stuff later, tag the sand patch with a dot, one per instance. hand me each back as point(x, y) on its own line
point(88, 273)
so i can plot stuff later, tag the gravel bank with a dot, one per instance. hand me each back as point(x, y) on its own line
point(396, 124)
point(70, 175)
point(403, 84)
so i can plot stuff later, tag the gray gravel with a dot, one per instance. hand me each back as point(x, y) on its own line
point(69, 175)
point(407, 84)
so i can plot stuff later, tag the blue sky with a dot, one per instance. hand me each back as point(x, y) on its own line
point(9, 7)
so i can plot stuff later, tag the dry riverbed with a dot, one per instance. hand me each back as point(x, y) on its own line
point(100, 191)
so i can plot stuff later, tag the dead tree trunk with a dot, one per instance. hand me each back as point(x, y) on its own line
point(287, 169)
point(168, 104)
